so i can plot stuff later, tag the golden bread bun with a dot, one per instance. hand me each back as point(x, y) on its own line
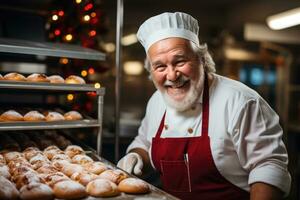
point(47, 169)
point(56, 79)
point(53, 178)
point(83, 177)
point(59, 164)
point(73, 150)
point(52, 152)
point(12, 155)
point(81, 159)
point(73, 115)
point(70, 169)
point(4, 171)
point(11, 115)
point(74, 80)
point(102, 188)
point(38, 157)
point(34, 116)
point(54, 116)
point(26, 178)
point(95, 167)
point(8, 189)
point(1, 77)
point(36, 191)
point(133, 186)
point(60, 157)
point(69, 190)
point(115, 176)
point(37, 78)
point(14, 77)
point(31, 152)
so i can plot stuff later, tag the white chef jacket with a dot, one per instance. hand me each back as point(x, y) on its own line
point(245, 134)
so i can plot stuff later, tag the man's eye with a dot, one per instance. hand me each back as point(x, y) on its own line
point(159, 67)
point(180, 62)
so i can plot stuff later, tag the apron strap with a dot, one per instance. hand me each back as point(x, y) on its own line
point(161, 126)
point(205, 108)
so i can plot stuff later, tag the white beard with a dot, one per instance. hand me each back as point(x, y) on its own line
point(190, 98)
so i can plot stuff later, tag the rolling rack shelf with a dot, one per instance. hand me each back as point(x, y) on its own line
point(54, 50)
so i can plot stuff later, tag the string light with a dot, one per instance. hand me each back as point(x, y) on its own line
point(84, 73)
point(54, 17)
point(57, 32)
point(92, 33)
point(93, 14)
point(78, 1)
point(86, 18)
point(91, 71)
point(97, 85)
point(64, 61)
point(88, 7)
point(61, 13)
point(69, 37)
point(70, 97)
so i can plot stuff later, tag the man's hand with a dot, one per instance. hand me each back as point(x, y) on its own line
point(131, 163)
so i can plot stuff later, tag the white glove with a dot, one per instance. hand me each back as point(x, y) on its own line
point(132, 162)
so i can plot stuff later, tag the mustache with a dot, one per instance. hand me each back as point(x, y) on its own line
point(178, 82)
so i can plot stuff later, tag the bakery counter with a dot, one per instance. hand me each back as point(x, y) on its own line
point(44, 165)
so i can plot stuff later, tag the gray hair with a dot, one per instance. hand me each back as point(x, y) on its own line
point(203, 55)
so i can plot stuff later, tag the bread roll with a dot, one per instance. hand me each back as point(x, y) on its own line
point(40, 163)
point(2, 160)
point(81, 159)
point(38, 157)
point(73, 115)
point(11, 115)
point(74, 80)
point(26, 178)
point(9, 156)
point(53, 178)
point(31, 152)
point(1, 77)
point(61, 157)
point(70, 169)
point(56, 79)
point(37, 78)
point(54, 116)
point(34, 116)
point(95, 167)
point(36, 191)
point(73, 150)
point(115, 176)
point(4, 171)
point(47, 169)
point(102, 188)
point(59, 164)
point(8, 189)
point(83, 177)
point(69, 190)
point(52, 152)
point(14, 77)
point(133, 186)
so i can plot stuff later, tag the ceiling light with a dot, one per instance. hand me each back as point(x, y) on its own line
point(109, 47)
point(129, 39)
point(133, 67)
point(284, 20)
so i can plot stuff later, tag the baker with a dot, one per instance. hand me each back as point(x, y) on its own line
point(208, 136)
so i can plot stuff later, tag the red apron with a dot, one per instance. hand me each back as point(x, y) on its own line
point(186, 165)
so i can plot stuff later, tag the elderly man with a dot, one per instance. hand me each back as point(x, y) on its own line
point(209, 137)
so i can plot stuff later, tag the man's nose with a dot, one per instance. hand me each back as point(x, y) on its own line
point(172, 74)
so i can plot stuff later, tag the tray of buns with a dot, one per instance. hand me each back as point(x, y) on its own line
point(34, 119)
point(36, 81)
point(49, 166)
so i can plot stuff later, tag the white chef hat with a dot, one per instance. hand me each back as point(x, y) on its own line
point(168, 25)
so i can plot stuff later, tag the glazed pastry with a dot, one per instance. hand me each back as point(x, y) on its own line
point(74, 80)
point(133, 186)
point(102, 188)
point(34, 116)
point(54, 116)
point(37, 78)
point(14, 77)
point(69, 190)
point(73, 115)
point(11, 115)
point(115, 176)
point(56, 79)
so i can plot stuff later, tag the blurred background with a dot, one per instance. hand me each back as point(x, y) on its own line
point(239, 38)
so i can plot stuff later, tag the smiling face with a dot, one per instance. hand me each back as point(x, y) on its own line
point(177, 72)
